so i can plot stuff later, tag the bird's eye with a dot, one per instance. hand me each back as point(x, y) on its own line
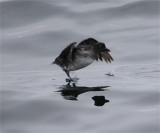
point(102, 46)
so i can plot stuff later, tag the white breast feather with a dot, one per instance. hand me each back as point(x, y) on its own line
point(80, 62)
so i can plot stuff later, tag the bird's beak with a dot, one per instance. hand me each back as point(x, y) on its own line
point(106, 49)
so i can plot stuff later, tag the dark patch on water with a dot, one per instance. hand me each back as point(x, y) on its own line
point(71, 91)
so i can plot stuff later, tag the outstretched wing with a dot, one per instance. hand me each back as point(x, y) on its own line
point(70, 52)
point(66, 56)
point(106, 56)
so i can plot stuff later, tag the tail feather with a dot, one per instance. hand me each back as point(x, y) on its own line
point(53, 63)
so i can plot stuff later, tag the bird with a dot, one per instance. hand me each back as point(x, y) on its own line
point(75, 57)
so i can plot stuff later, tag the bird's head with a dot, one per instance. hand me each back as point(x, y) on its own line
point(100, 47)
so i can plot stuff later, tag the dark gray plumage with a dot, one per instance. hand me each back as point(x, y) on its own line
point(77, 57)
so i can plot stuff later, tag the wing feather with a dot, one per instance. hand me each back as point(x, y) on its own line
point(106, 56)
point(70, 52)
point(66, 55)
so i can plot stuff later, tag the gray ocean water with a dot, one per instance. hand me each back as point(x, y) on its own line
point(34, 96)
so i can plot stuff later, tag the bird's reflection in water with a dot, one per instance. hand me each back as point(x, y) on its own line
point(71, 92)
point(99, 100)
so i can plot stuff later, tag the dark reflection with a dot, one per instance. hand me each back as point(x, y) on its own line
point(99, 100)
point(71, 91)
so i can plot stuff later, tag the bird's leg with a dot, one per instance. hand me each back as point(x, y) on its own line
point(70, 79)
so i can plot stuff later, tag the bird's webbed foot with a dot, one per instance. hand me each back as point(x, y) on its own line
point(74, 80)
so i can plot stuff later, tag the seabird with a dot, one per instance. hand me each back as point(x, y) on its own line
point(74, 57)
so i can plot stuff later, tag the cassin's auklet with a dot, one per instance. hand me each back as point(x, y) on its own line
point(77, 57)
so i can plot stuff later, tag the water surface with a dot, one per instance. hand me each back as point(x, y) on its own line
point(34, 94)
